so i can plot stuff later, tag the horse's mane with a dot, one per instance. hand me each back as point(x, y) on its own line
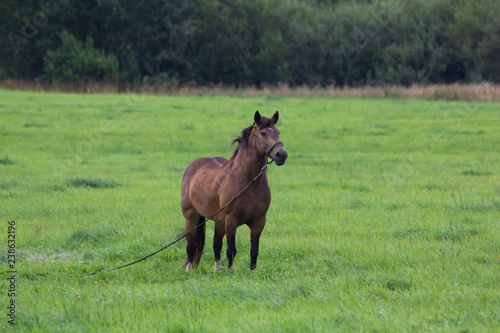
point(242, 140)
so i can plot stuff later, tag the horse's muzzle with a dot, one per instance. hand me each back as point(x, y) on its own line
point(280, 156)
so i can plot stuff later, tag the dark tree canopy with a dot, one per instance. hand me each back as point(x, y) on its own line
point(236, 42)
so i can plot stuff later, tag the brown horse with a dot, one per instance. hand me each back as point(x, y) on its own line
point(209, 183)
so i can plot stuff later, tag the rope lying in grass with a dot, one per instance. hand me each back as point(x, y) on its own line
point(264, 168)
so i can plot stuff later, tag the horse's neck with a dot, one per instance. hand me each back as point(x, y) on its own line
point(248, 162)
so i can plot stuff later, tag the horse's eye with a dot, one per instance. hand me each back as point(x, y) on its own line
point(263, 133)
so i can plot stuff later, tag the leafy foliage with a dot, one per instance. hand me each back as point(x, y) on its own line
point(75, 60)
point(256, 42)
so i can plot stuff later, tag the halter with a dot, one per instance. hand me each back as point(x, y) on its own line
point(266, 158)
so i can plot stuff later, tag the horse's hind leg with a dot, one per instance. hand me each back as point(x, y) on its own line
point(195, 240)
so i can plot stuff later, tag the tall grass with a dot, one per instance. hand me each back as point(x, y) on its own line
point(478, 92)
point(384, 217)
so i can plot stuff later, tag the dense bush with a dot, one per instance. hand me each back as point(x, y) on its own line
point(75, 60)
point(314, 42)
point(239, 44)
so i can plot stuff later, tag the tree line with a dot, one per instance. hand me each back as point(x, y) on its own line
point(237, 42)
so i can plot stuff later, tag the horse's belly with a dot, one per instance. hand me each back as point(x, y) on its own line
point(207, 188)
point(250, 207)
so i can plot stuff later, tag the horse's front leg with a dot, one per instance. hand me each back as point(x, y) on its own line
point(231, 225)
point(218, 237)
point(255, 232)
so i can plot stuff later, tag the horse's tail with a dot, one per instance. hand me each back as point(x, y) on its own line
point(199, 240)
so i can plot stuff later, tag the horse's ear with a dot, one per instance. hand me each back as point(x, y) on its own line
point(257, 117)
point(275, 117)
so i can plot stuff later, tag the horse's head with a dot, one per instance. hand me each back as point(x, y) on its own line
point(268, 136)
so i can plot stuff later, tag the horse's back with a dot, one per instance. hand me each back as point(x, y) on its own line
point(204, 164)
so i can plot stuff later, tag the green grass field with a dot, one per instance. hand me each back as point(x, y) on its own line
point(385, 217)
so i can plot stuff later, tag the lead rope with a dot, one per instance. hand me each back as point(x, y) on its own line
point(264, 168)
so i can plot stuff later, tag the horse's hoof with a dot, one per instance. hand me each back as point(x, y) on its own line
point(189, 266)
point(217, 265)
